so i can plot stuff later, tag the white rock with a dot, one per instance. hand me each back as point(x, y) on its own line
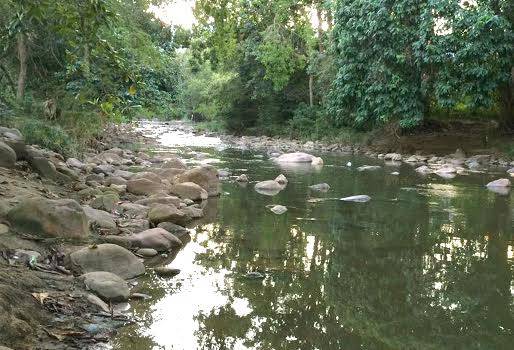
point(278, 209)
point(361, 198)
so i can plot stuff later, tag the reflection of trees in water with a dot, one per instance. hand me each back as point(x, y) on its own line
point(395, 275)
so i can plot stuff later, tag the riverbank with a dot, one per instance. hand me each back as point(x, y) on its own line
point(117, 209)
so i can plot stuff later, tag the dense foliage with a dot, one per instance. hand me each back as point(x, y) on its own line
point(307, 68)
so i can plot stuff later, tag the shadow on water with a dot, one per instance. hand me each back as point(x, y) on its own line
point(426, 264)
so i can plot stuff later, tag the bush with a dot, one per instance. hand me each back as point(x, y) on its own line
point(47, 135)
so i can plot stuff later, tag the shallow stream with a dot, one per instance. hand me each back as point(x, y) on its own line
point(426, 264)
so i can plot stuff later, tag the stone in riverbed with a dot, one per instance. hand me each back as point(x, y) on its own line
point(205, 176)
point(169, 200)
point(424, 170)
point(369, 168)
point(162, 213)
point(269, 185)
point(189, 190)
point(105, 202)
point(322, 187)
point(166, 271)
point(242, 178)
point(105, 257)
point(278, 209)
point(178, 231)
point(7, 156)
point(499, 183)
point(133, 225)
point(395, 157)
point(155, 238)
point(174, 163)
point(75, 163)
point(281, 179)
point(144, 187)
point(361, 198)
point(106, 285)
point(297, 157)
point(147, 252)
point(55, 218)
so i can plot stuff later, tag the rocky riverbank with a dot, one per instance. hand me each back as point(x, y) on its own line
point(75, 234)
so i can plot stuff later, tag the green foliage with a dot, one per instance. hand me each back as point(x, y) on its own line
point(49, 136)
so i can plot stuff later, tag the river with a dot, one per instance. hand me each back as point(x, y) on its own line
point(427, 263)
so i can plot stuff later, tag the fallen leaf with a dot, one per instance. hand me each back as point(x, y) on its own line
point(40, 297)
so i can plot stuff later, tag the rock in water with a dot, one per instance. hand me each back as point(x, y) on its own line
point(369, 168)
point(155, 238)
point(189, 190)
point(322, 187)
point(296, 157)
point(278, 209)
point(281, 179)
point(499, 183)
point(361, 198)
point(205, 176)
point(105, 257)
point(242, 178)
point(269, 185)
point(165, 213)
point(166, 271)
point(7, 156)
point(55, 218)
point(106, 285)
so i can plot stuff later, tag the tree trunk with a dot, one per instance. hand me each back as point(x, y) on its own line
point(86, 64)
point(507, 101)
point(320, 29)
point(22, 58)
point(311, 93)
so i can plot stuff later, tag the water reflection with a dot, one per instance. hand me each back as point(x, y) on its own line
point(427, 264)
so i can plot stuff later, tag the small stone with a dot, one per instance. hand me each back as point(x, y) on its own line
point(369, 168)
point(147, 252)
point(278, 209)
point(361, 198)
point(281, 179)
point(166, 271)
point(106, 285)
point(322, 187)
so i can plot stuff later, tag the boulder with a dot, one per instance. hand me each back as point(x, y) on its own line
point(269, 185)
point(55, 218)
point(105, 169)
point(168, 173)
point(106, 285)
point(296, 157)
point(105, 257)
point(147, 252)
point(133, 225)
point(14, 139)
point(191, 212)
point(105, 202)
point(155, 238)
point(180, 232)
point(423, 170)
point(127, 175)
point(144, 187)
point(7, 156)
point(189, 190)
point(147, 175)
point(499, 183)
point(162, 213)
point(99, 218)
point(205, 176)
point(134, 211)
point(115, 180)
point(75, 163)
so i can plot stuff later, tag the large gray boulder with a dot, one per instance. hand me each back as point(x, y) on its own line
point(14, 139)
point(7, 156)
point(106, 285)
point(55, 218)
point(189, 190)
point(105, 257)
point(299, 157)
point(162, 213)
point(145, 187)
point(205, 176)
point(155, 238)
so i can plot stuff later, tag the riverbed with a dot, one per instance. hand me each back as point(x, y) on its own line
point(427, 263)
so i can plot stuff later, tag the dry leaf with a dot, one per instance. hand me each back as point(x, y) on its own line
point(40, 297)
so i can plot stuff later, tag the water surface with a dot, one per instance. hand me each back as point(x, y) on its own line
point(426, 264)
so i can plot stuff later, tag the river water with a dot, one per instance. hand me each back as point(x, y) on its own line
point(426, 264)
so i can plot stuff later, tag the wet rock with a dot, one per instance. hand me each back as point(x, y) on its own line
point(255, 275)
point(369, 168)
point(155, 238)
point(278, 209)
point(322, 187)
point(106, 285)
point(151, 201)
point(269, 185)
point(147, 252)
point(166, 271)
point(56, 218)
point(191, 212)
point(395, 173)
point(281, 179)
point(163, 212)
point(105, 202)
point(395, 157)
point(242, 178)
point(510, 171)
point(189, 190)
point(93, 299)
point(178, 231)
point(7, 156)
point(144, 187)
point(297, 157)
point(105, 257)
point(99, 218)
point(205, 176)
point(361, 198)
